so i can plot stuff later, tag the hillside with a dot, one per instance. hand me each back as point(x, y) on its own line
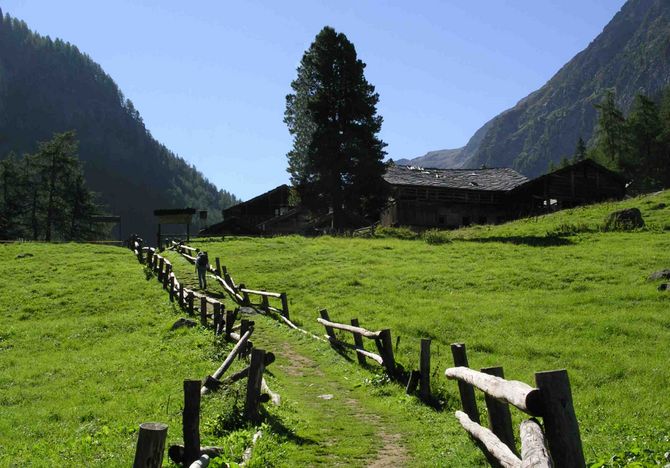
point(630, 55)
point(49, 86)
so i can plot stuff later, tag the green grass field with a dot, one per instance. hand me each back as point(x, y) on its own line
point(86, 353)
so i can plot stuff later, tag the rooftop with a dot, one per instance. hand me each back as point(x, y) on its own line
point(494, 179)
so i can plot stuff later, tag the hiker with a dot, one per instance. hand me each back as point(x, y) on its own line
point(201, 266)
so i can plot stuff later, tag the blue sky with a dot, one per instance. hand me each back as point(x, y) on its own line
point(210, 77)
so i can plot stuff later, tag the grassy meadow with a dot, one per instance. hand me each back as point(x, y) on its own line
point(86, 351)
point(537, 294)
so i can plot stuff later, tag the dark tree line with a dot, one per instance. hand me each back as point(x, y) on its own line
point(44, 195)
point(637, 145)
point(48, 86)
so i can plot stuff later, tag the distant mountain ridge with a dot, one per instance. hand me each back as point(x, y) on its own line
point(631, 55)
point(49, 86)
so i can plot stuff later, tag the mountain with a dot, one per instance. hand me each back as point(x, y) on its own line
point(49, 86)
point(631, 56)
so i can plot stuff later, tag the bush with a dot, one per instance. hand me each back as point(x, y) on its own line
point(436, 237)
point(402, 232)
point(569, 229)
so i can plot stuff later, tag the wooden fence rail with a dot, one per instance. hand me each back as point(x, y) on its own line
point(551, 400)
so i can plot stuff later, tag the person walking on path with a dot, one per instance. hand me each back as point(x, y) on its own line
point(201, 267)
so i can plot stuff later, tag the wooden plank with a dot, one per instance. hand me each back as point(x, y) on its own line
point(500, 419)
point(516, 393)
point(150, 445)
point(256, 368)
point(329, 328)
point(560, 422)
point(260, 293)
point(466, 391)
point(424, 369)
point(191, 421)
point(488, 439)
point(229, 359)
point(350, 328)
point(534, 453)
point(358, 341)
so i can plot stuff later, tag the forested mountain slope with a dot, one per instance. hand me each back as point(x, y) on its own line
point(49, 86)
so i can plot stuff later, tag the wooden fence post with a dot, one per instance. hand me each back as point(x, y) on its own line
point(191, 298)
point(203, 311)
point(358, 341)
point(385, 346)
point(466, 390)
point(161, 264)
point(412, 382)
point(218, 317)
point(218, 266)
point(256, 368)
point(166, 275)
point(265, 303)
point(191, 421)
point(245, 296)
point(329, 330)
point(171, 288)
point(284, 305)
point(230, 321)
point(245, 326)
point(181, 294)
point(560, 422)
point(150, 445)
point(500, 420)
point(424, 369)
point(150, 258)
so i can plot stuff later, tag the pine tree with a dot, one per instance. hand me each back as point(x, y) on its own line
point(580, 150)
point(337, 158)
point(611, 135)
point(642, 163)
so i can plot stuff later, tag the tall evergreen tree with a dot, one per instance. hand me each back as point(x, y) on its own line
point(337, 158)
point(642, 162)
point(611, 135)
point(580, 151)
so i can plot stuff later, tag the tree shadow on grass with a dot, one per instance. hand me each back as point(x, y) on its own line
point(531, 241)
point(280, 429)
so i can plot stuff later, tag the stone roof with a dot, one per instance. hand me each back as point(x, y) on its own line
point(494, 179)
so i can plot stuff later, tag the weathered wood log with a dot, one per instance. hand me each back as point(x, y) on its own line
point(375, 357)
point(466, 391)
point(274, 397)
point(213, 384)
point(176, 452)
point(259, 293)
point(350, 328)
point(424, 369)
point(203, 311)
point(500, 419)
point(246, 456)
point(191, 421)
point(256, 368)
point(385, 347)
point(172, 290)
point(202, 462)
point(150, 445)
point(412, 382)
point(229, 359)
point(560, 422)
point(358, 341)
point(284, 304)
point(231, 292)
point(534, 453)
point(490, 441)
point(516, 393)
point(218, 318)
point(329, 330)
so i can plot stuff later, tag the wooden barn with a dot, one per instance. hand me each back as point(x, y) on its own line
point(450, 198)
point(578, 184)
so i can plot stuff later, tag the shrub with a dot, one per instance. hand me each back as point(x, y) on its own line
point(436, 237)
point(569, 229)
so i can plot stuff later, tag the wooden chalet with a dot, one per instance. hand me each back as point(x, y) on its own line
point(449, 198)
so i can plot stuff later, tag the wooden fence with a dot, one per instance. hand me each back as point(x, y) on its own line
point(152, 436)
point(551, 400)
